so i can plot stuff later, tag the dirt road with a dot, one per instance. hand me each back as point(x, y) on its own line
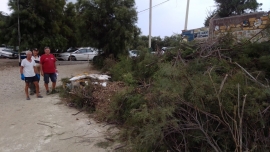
point(45, 124)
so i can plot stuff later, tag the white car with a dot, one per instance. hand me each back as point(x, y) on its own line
point(133, 53)
point(87, 53)
point(8, 53)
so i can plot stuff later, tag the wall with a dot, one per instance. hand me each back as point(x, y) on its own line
point(242, 26)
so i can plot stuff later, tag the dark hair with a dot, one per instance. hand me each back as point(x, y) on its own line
point(46, 48)
point(35, 49)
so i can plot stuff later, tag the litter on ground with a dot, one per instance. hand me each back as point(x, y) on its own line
point(82, 80)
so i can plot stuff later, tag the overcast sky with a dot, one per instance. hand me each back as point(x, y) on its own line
point(169, 17)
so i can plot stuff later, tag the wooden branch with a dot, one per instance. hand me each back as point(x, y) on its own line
point(249, 75)
point(222, 84)
point(241, 123)
point(74, 114)
point(120, 146)
point(45, 125)
point(265, 110)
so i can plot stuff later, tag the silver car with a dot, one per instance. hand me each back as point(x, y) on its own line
point(133, 53)
point(8, 53)
point(87, 53)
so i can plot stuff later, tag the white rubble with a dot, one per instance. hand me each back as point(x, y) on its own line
point(94, 76)
point(74, 80)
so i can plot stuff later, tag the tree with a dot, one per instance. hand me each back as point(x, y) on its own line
point(108, 25)
point(41, 23)
point(236, 7)
point(209, 15)
point(70, 25)
point(3, 20)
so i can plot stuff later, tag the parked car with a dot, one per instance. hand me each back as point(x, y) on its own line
point(8, 53)
point(2, 47)
point(87, 53)
point(23, 54)
point(167, 48)
point(133, 53)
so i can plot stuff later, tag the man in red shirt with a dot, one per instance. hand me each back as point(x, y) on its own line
point(48, 69)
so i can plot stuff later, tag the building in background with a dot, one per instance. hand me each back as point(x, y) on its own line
point(242, 27)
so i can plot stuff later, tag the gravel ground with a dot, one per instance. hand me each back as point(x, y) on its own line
point(44, 124)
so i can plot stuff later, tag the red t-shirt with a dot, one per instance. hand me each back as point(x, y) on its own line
point(48, 63)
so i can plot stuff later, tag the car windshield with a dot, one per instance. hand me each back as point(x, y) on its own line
point(134, 52)
point(71, 50)
point(8, 50)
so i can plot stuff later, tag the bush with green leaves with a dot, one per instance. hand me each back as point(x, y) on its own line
point(134, 71)
point(201, 104)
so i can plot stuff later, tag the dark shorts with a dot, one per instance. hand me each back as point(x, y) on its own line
point(30, 79)
point(52, 76)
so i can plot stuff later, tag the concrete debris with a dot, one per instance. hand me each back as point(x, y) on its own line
point(82, 80)
point(93, 76)
point(99, 76)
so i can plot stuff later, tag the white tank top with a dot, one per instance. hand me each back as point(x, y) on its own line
point(37, 60)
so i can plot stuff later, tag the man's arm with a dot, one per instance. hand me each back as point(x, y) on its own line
point(55, 64)
point(35, 70)
point(21, 67)
point(21, 70)
point(55, 67)
point(41, 71)
point(40, 63)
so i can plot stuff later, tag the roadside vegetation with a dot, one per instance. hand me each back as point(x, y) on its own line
point(213, 96)
point(195, 99)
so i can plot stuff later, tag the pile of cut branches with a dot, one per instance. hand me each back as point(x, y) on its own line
point(201, 97)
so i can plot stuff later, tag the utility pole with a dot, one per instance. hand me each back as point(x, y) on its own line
point(19, 33)
point(187, 10)
point(150, 23)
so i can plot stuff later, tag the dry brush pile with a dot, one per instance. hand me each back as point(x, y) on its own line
point(201, 97)
point(210, 96)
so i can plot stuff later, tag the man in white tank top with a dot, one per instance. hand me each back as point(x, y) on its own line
point(36, 58)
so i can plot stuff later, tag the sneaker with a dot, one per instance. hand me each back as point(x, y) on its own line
point(54, 91)
point(48, 92)
point(39, 96)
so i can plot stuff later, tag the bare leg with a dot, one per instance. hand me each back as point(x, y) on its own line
point(46, 86)
point(53, 85)
point(32, 87)
point(37, 88)
point(26, 89)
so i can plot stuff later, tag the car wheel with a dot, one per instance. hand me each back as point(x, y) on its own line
point(72, 58)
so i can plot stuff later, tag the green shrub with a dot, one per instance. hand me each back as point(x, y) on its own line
point(203, 104)
point(124, 66)
point(98, 61)
point(108, 64)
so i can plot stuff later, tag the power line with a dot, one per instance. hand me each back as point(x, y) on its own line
point(154, 6)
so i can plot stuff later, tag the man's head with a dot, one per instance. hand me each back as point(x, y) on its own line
point(35, 51)
point(47, 50)
point(28, 54)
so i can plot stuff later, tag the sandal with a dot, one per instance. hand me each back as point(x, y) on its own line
point(28, 98)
